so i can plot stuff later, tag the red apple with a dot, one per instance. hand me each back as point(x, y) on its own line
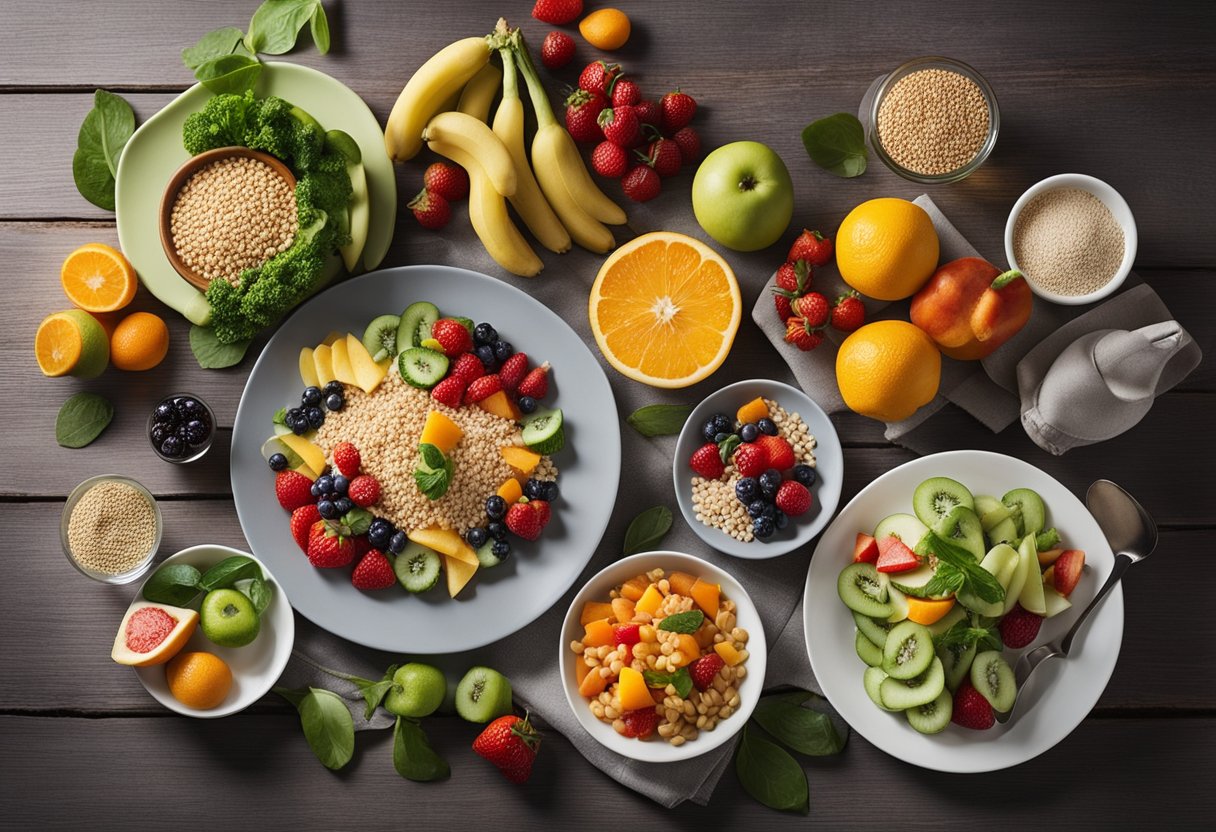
point(1067, 571)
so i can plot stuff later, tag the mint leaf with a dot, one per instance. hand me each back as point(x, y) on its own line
point(946, 581)
point(647, 529)
point(659, 419)
point(727, 447)
point(279, 417)
point(680, 679)
point(770, 775)
point(358, 520)
point(683, 622)
point(971, 631)
point(432, 457)
point(976, 578)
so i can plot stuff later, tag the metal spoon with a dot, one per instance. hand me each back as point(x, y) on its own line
point(1132, 534)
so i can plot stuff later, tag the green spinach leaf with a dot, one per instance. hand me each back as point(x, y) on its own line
point(319, 28)
point(659, 419)
point(328, 726)
point(647, 529)
point(217, 44)
point(260, 594)
point(837, 144)
point(770, 775)
point(81, 419)
point(413, 756)
point(176, 584)
point(802, 729)
point(234, 73)
point(228, 571)
point(212, 353)
point(277, 24)
point(103, 135)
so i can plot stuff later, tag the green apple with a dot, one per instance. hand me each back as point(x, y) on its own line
point(228, 618)
point(742, 196)
point(418, 690)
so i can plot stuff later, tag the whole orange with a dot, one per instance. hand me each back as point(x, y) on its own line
point(888, 369)
point(605, 29)
point(887, 248)
point(140, 342)
point(198, 679)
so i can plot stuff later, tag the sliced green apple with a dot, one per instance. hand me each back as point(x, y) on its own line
point(1053, 602)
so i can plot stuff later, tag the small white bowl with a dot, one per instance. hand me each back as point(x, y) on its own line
point(658, 750)
point(1109, 197)
point(255, 667)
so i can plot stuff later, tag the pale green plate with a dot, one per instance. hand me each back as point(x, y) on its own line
point(155, 152)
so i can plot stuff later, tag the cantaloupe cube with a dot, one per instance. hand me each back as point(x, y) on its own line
point(634, 587)
point(322, 359)
point(622, 610)
point(753, 411)
point(593, 611)
point(500, 405)
point(312, 455)
point(592, 685)
point(458, 574)
point(688, 649)
point(597, 633)
point(440, 431)
point(926, 611)
point(511, 491)
point(308, 370)
point(340, 360)
point(681, 583)
point(650, 600)
point(368, 374)
point(706, 596)
point(728, 653)
point(521, 459)
point(632, 690)
point(444, 541)
point(580, 670)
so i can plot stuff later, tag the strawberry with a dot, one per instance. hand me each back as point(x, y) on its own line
point(704, 669)
point(373, 571)
point(750, 460)
point(302, 519)
point(328, 548)
point(793, 279)
point(542, 509)
point(798, 333)
point(557, 12)
point(678, 109)
point(865, 549)
point(431, 210)
point(583, 108)
point(785, 310)
point(690, 143)
point(779, 452)
point(849, 313)
point(610, 160)
point(620, 125)
point(347, 459)
point(895, 556)
point(450, 391)
point(626, 634)
point(1019, 627)
point(813, 307)
point(536, 383)
point(624, 93)
point(449, 181)
point(649, 112)
point(793, 498)
point(640, 723)
point(482, 388)
point(468, 367)
point(664, 156)
point(364, 490)
point(293, 489)
point(597, 76)
point(641, 184)
point(556, 50)
point(512, 371)
point(812, 247)
point(971, 709)
point(525, 521)
point(706, 461)
point(452, 336)
point(510, 743)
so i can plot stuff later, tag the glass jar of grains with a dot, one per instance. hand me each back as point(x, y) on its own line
point(932, 120)
point(111, 528)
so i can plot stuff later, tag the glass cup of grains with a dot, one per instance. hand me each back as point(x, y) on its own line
point(111, 528)
point(932, 120)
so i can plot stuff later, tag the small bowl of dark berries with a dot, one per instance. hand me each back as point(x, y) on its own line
point(758, 469)
point(181, 428)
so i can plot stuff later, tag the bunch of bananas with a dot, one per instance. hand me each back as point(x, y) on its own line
point(446, 106)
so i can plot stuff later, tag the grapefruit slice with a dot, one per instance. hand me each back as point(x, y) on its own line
point(152, 633)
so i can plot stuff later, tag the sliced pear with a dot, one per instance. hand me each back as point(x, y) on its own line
point(368, 374)
point(1027, 561)
point(446, 542)
point(308, 368)
point(458, 574)
point(899, 605)
point(1000, 562)
point(341, 362)
point(1053, 602)
point(322, 357)
point(1031, 597)
point(332, 337)
point(312, 455)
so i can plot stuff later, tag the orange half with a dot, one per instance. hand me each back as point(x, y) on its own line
point(58, 345)
point(664, 309)
point(97, 278)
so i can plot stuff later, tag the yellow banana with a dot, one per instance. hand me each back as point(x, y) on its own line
point(502, 240)
point(462, 132)
point(442, 76)
point(586, 230)
point(579, 182)
point(479, 93)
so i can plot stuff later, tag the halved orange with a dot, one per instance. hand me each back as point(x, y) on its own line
point(664, 309)
point(71, 342)
point(97, 278)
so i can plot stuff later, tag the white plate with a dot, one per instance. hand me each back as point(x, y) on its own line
point(498, 601)
point(1061, 693)
point(829, 465)
point(255, 667)
point(658, 750)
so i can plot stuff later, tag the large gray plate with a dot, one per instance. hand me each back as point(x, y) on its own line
point(499, 601)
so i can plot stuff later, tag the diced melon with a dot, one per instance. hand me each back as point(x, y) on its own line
point(928, 610)
point(332, 338)
point(521, 459)
point(753, 411)
point(368, 374)
point(440, 431)
point(597, 633)
point(308, 370)
point(650, 600)
point(634, 587)
point(728, 653)
point(681, 583)
point(306, 471)
point(312, 455)
point(458, 573)
point(511, 491)
point(632, 691)
point(500, 405)
point(688, 649)
point(445, 541)
point(322, 358)
point(580, 671)
point(622, 610)
point(706, 596)
point(593, 684)
point(593, 611)
point(341, 362)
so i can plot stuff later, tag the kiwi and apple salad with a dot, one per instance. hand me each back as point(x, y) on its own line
point(937, 595)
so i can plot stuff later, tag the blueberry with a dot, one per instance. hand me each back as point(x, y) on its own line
point(300, 427)
point(551, 492)
point(483, 334)
point(341, 483)
point(327, 509)
point(166, 413)
point(332, 387)
point(749, 432)
point(476, 537)
point(747, 490)
point(378, 535)
point(158, 433)
point(503, 350)
point(756, 508)
point(172, 447)
point(294, 415)
point(325, 483)
point(805, 474)
point(496, 507)
point(397, 542)
point(184, 405)
point(277, 462)
point(182, 433)
point(496, 530)
point(527, 404)
point(316, 417)
point(718, 423)
point(196, 432)
point(780, 519)
point(534, 489)
point(344, 504)
point(770, 511)
point(314, 489)
point(767, 426)
point(770, 481)
point(311, 397)
point(763, 527)
point(485, 354)
point(501, 549)
point(335, 402)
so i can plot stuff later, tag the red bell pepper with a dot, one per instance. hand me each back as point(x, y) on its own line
point(969, 308)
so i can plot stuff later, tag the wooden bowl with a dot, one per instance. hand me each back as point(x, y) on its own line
point(192, 166)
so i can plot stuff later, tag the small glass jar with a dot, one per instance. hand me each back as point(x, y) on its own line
point(873, 100)
point(65, 519)
point(189, 452)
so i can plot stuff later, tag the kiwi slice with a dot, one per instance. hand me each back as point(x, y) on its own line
point(1005, 531)
point(993, 678)
point(908, 651)
point(932, 717)
point(962, 527)
point(543, 431)
point(956, 660)
point(903, 526)
point(866, 650)
point(485, 555)
point(483, 694)
point(864, 589)
point(415, 326)
point(934, 498)
point(421, 367)
point(417, 568)
point(901, 694)
point(990, 510)
point(380, 337)
point(876, 631)
point(1031, 513)
point(872, 681)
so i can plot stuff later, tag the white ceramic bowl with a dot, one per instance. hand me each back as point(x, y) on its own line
point(255, 667)
point(829, 465)
point(658, 750)
point(1118, 208)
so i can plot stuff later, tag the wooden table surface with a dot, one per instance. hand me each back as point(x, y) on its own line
point(1123, 91)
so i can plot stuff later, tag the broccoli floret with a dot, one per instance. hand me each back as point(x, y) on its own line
point(225, 121)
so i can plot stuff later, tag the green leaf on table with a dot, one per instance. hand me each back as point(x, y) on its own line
point(413, 756)
point(235, 73)
point(216, 44)
point(103, 135)
point(680, 679)
point(683, 622)
point(176, 584)
point(659, 419)
point(770, 775)
point(228, 571)
point(647, 529)
point(276, 25)
point(212, 353)
point(81, 419)
point(802, 729)
point(319, 28)
point(260, 594)
point(328, 726)
point(837, 144)
point(374, 692)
